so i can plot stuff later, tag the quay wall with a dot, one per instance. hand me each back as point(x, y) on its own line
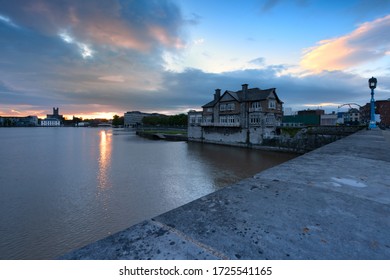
point(330, 203)
point(290, 139)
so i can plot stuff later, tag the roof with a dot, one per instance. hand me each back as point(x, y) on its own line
point(251, 94)
point(211, 103)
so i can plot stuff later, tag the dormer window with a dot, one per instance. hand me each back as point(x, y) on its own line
point(230, 106)
point(272, 104)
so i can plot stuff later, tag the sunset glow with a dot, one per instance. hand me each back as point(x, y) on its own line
point(96, 59)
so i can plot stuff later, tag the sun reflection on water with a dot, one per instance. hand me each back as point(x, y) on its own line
point(104, 160)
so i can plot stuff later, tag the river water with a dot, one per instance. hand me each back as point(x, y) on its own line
point(63, 188)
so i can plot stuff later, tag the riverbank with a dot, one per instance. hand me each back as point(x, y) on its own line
point(291, 139)
point(169, 135)
point(331, 203)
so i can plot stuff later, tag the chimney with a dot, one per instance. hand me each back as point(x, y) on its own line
point(244, 87)
point(217, 94)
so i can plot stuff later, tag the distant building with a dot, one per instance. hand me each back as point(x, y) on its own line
point(308, 112)
point(50, 122)
point(244, 117)
point(55, 115)
point(341, 116)
point(304, 118)
point(382, 109)
point(134, 118)
point(352, 117)
point(82, 124)
point(328, 119)
point(19, 121)
point(54, 119)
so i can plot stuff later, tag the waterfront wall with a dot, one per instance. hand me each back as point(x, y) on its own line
point(331, 203)
point(292, 139)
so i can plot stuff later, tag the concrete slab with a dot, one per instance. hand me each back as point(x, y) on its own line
point(147, 240)
point(332, 203)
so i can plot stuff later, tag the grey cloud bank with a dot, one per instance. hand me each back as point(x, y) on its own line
point(125, 70)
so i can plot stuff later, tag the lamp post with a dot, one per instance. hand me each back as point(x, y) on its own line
point(372, 84)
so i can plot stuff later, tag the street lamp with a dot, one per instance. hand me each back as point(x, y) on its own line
point(372, 84)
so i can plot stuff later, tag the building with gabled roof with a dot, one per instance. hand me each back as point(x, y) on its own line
point(241, 117)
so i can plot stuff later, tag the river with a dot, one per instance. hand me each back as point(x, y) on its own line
point(63, 188)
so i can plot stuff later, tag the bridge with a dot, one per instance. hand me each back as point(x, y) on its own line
point(331, 203)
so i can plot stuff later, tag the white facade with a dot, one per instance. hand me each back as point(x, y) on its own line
point(50, 122)
point(330, 119)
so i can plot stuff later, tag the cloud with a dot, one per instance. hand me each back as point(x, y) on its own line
point(84, 49)
point(7, 21)
point(199, 41)
point(370, 41)
point(193, 88)
point(268, 5)
point(136, 25)
point(123, 41)
point(130, 42)
point(116, 79)
point(257, 61)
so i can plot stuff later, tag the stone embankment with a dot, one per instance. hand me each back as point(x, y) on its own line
point(303, 140)
point(289, 139)
point(331, 203)
point(162, 136)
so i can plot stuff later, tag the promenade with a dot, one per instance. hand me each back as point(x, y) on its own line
point(331, 203)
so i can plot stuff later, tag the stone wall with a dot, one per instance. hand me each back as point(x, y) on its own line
point(194, 132)
point(225, 135)
point(293, 139)
point(302, 140)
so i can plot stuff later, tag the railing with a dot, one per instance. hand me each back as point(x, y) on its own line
point(235, 124)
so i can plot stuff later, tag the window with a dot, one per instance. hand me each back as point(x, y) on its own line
point(256, 105)
point(230, 119)
point(270, 120)
point(209, 119)
point(254, 119)
point(227, 107)
point(230, 106)
point(271, 104)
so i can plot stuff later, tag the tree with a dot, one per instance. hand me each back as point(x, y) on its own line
point(117, 121)
point(175, 120)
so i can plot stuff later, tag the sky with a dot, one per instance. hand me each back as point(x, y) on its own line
point(95, 59)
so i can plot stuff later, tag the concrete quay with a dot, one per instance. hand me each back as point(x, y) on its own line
point(331, 203)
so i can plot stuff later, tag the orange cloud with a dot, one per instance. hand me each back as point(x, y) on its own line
point(137, 25)
point(162, 36)
point(369, 41)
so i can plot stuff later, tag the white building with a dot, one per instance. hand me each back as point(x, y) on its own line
point(50, 122)
point(328, 119)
